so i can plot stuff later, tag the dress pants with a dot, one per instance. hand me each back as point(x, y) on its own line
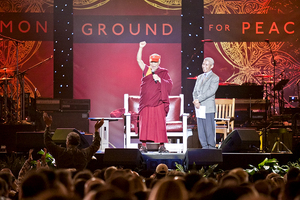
point(207, 131)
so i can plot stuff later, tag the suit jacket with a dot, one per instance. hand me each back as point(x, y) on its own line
point(205, 91)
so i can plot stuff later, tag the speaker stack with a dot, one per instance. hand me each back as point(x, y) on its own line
point(241, 140)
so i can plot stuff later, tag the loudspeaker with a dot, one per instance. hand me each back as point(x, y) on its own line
point(60, 137)
point(29, 140)
point(78, 120)
point(241, 140)
point(125, 158)
point(195, 158)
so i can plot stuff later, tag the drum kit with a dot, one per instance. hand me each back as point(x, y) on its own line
point(12, 97)
point(270, 93)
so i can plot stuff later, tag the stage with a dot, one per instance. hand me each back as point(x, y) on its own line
point(147, 162)
point(20, 138)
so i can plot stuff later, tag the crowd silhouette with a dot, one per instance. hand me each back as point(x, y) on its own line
point(111, 183)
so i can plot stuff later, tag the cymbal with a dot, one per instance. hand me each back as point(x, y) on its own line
point(6, 70)
point(263, 76)
point(3, 79)
point(194, 78)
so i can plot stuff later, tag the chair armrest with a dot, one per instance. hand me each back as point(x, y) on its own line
point(127, 114)
point(222, 119)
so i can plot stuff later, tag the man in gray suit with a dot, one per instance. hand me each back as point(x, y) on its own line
point(204, 94)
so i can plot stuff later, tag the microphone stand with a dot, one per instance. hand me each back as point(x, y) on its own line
point(274, 64)
point(22, 83)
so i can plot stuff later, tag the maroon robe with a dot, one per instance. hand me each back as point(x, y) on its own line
point(154, 106)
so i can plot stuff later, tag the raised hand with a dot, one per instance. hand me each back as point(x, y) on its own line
point(99, 124)
point(47, 119)
point(143, 44)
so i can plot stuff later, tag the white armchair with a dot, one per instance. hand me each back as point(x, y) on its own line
point(176, 123)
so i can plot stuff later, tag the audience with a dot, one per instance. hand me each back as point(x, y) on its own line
point(51, 183)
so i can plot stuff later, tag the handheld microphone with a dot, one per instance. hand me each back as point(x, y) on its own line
point(154, 73)
point(207, 40)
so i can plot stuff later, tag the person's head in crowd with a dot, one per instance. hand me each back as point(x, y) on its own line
point(263, 187)
point(14, 186)
point(191, 179)
point(168, 189)
point(99, 173)
point(33, 184)
point(108, 172)
point(292, 174)
point(279, 181)
point(161, 171)
point(8, 178)
point(229, 180)
point(50, 174)
point(79, 184)
point(291, 190)
point(204, 187)
point(93, 184)
point(4, 190)
point(73, 139)
point(121, 183)
point(232, 192)
point(137, 184)
point(83, 174)
point(52, 194)
point(118, 173)
point(65, 177)
point(108, 193)
point(241, 174)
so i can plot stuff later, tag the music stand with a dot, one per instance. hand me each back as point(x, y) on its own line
point(279, 87)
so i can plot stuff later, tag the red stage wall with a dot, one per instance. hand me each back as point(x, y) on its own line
point(105, 66)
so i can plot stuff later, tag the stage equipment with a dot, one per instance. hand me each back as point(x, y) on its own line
point(46, 104)
point(241, 140)
point(125, 158)
point(7, 110)
point(293, 98)
point(280, 139)
point(20, 83)
point(196, 158)
point(29, 140)
point(247, 98)
point(279, 87)
point(240, 91)
point(80, 105)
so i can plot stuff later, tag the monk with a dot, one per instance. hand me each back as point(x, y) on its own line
point(154, 102)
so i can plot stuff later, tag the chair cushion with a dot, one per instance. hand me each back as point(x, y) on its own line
point(175, 126)
point(133, 103)
point(174, 111)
